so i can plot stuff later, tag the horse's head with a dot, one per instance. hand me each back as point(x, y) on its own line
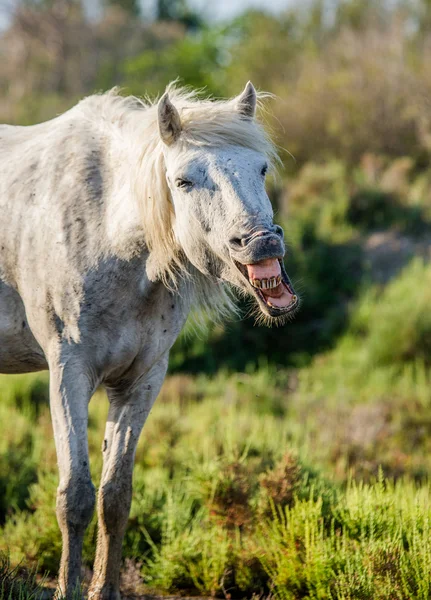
point(223, 217)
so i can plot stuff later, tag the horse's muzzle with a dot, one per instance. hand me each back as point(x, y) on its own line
point(258, 246)
point(259, 258)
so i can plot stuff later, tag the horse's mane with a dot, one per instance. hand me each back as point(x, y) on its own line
point(205, 122)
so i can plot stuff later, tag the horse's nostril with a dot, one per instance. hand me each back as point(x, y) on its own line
point(237, 242)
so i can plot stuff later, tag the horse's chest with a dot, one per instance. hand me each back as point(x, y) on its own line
point(130, 332)
point(154, 329)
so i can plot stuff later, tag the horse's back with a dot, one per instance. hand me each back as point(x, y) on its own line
point(53, 187)
point(16, 138)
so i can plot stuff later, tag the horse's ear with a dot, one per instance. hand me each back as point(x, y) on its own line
point(169, 120)
point(247, 101)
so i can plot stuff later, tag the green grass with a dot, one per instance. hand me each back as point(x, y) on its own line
point(17, 583)
point(225, 501)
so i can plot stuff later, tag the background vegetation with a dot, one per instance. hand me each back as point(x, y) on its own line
point(289, 463)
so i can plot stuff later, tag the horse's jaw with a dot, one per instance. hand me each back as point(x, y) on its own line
point(269, 283)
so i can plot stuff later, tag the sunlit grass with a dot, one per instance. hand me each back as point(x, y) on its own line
point(225, 502)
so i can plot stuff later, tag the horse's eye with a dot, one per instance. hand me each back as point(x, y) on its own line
point(184, 184)
point(264, 170)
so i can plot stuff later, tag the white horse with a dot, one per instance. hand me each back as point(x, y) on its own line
point(115, 219)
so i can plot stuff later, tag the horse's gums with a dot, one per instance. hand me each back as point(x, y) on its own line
point(261, 275)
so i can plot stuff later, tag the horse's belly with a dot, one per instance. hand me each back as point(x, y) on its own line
point(19, 350)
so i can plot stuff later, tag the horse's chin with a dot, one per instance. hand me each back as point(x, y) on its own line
point(268, 282)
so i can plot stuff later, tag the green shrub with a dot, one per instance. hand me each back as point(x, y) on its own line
point(396, 323)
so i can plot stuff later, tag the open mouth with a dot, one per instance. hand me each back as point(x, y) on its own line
point(271, 286)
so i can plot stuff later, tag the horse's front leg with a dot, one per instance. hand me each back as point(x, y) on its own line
point(70, 392)
point(127, 414)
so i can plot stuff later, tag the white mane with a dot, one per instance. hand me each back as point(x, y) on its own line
point(204, 123)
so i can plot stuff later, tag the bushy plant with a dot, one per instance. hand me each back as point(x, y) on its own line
point(404, 302)
point(280, 484)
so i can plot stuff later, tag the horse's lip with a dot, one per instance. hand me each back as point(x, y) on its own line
point(273, 311)
point(261, 244)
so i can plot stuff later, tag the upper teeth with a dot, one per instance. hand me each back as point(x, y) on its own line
point(266, 284)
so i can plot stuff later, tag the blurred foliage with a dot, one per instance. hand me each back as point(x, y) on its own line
point(179, 11)
point(129, 6)
point(197, 59)
point(352, 76)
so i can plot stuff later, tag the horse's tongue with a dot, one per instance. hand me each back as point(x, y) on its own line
point(265, 269)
